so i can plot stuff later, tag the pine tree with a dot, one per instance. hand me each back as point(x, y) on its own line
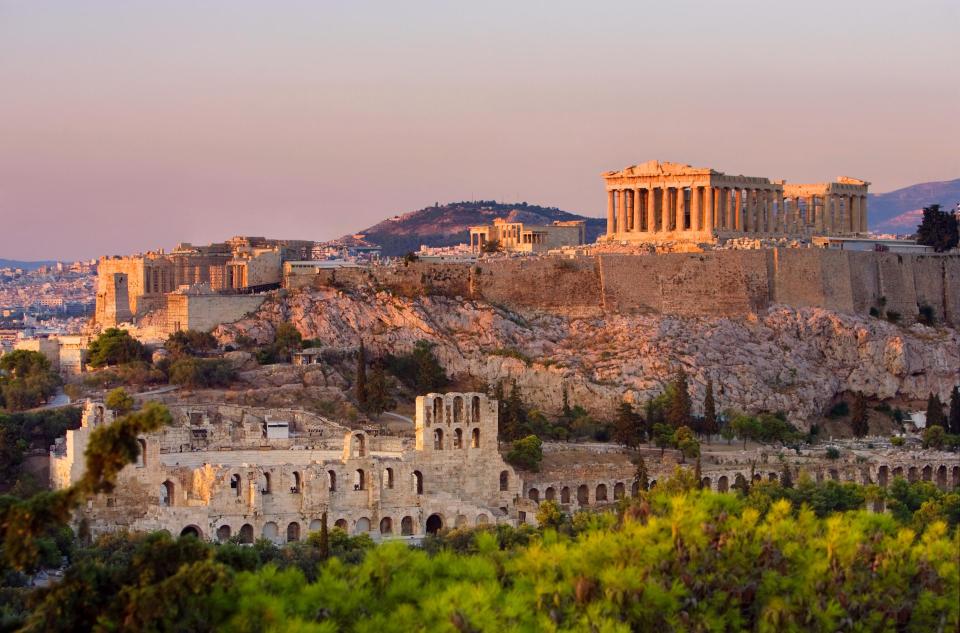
point(954, 419)
point(678, 411)
point(360, 384)
point(711, 424)
point(786, 477)
point(566, 412)
point(378, 394)
point(859, 417)
point(627, 428)
point(513, 421)
point(935, 415)
point(641, 476)
point(324, 538)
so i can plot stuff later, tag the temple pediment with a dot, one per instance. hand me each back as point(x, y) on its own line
point(847, 180)
point(658, 168)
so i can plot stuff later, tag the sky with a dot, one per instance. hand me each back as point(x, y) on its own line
point(133, 124)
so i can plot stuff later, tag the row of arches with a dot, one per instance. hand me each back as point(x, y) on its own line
point(941, 475)
point(361, 480)
point(439, 444)
point(456, 413)
point(602, 493)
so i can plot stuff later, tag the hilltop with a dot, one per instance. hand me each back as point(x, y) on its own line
point(448, 224)
point(901, 210)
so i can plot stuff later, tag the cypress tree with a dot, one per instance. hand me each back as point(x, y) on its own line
point(711, 425)
point(641, 476)
point(859, 417)
point(360, 384)
point(678, 411)
point(954, 418)
point(935, 412)
point(324, 538)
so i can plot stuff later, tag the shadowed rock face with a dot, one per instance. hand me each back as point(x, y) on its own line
point(782, 359)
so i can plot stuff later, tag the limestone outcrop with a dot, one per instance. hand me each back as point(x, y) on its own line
point(780, 359)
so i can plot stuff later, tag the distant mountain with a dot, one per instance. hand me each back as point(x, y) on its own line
point(15, 263)
point(448, 224)
point(900, 211)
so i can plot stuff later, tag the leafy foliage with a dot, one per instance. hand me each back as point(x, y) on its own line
point(419, 370)
point(202, 373)
point(26, 380)
point(526, 453)
point(115, 347)
point(119, 401)
point(190, 343)
point(938, 229)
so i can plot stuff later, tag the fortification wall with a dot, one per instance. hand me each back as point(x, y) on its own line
point(552, 283)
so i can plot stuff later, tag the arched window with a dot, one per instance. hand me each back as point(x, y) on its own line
point(565, 495)
point(504, 480)
point(360, 480)
point(363, 526)
point(882, 475)
point(434, 523)
point(601, 492)
point(386, 526)
point(360, 445)
point(270, 531)
point(482, 520)
point(583, 495)
point(475, 438)
point(458, 410)
point(235, 484)
point(942, 476)
point(265, 483)
point(475, 410)
point(458, 438)
point(418, 482)
point(246, 533)
point(438, 440)
point(191, 530)
point(332, 480)
point(293, 532)
point(341, 524)
point(406, 526)
point(297, 483)
point(438, 410)
point(534, 495)
point(142, 453)
point(927, 473)
point(223, 533)
point(618, 490)
point(704, 483)
point(550, 494)
point(167, 496)
point(635, 489)
point(388, 478)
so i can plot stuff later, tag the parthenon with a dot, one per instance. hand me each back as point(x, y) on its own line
point(661, 201)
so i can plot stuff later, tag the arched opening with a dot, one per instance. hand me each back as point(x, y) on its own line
point(265, 483)
point(341, 524)
point(834, 474)
point(475, 410)
point(458, 438)
point(271, 531)
point(434, 523)
point(363, 526)
point(360, 444)
point(771, 476)
point(534, 495)
point(386, 526)
point(482, 520)
point(438, 410)
point(635, 489)
point(550, 494)
point(653, 484)
point(942, 477)
point(882, 475)
point(601, 492)
point(359, 480)
point(191, 530)
point(235, 484)
point(460, 521)
point(618, 490)
point(705, 483)
point(297, 483)
point(406, 526)
point(955, 476)
point(475, 438)
point(898, 472)
point(315, 525)
point(565, 495)
point(504, 480)
point(142, 453)
point(458, 410)
point(912, 474)
point(246, 534)
point(927, 473)
point(293, 532)
point(740, 482)
point(332, 480)
point(438, 440)
point(223, 533)
point(418, 482)
point(723, 484)
point(388, 478)
point(583, 495)
point(167, 490)
point(757, 477)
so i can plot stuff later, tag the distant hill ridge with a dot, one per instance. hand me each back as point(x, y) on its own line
point(900, 211)
point(448, 224)
point(16, 263)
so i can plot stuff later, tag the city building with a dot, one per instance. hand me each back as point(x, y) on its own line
point(517, 237)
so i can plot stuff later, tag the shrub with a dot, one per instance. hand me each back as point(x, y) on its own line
point(526, 453)
point(199, 373)
point(832, 453)
point(115, 347)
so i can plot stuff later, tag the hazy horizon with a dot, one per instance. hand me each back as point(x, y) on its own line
point(133, 125)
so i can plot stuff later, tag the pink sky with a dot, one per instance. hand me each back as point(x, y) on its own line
point(127, 125)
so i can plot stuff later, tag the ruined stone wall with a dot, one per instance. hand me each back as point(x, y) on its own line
point(205, 312)
point(552, 283)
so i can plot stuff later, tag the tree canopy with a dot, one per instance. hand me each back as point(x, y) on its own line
point(26, 380)
point(939, 229)
point(115, 347)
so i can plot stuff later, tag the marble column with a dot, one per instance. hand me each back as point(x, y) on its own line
point(708, 208)
point(681, 221)
point(610, 204)
point(651, 209)
point(767, 211)
point(637, 211)
point(854, 214)
point(863, 214)
point(622, 211)
point(782, 226)
point(737, 221)
point(695, 208)
point(728, 208)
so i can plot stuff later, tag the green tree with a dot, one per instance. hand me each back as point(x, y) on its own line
point(526, 453)
point(710, 425)
point(628, 426)
point(641, 476)
point(513, 422)
point(662, 437)
point(686, 442)
point(202, 373)
point(189, 343)
point(746, 427)
point(859, 420)
point(679, 408)
point(549, 514)
point(360, 380)
point(938, 229)
point(935, 415)
point(115, 347)
point(492, 246)
point(378, 393)
point(954, 416)
point(119, 401)
point(420, 369)
point(933, 437)
point(286, 340)
point(26, 380)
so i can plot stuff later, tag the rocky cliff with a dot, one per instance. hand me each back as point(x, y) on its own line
point(781, 359)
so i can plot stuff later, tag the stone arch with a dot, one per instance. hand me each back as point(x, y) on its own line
point(475, 410)
point(740, 482)
point(705, 483)
point(297, 486)
point(834, 474)
point(316, 525)
point(883, 474)
point(246, 534)
point(265, 483)
point(942, 476)
point(293, 532)
point(386, 526)
point(550, 494)
point(898, 472)
point(236, 484)
point(912, 474)
point(504, 480)
point(388, 478)
point(331, 480)
point(759, 477)
point(362, 526)
point(458, 438)
point(223, 533)
point(438, 409)
point(271, 531)
point(418, 482)
point(601, 492)
point(434, 523)
point(460, 521)
point(482, 520)
point(927, 473)
point(635, 489)
point(406, 526)
point(341, 523)
point(360, 441)
point(438, 439)
point(723, 484)
point(583, 495)
point(772, 477)
point(565, 494)
point(475, 438)
point(168, 493)
point(458, 410)
point(618, 490)
point(360, 480)
point(141, 453)
point(534, 495)
point(955, 476)
point(192, 530)
point(653, 484)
